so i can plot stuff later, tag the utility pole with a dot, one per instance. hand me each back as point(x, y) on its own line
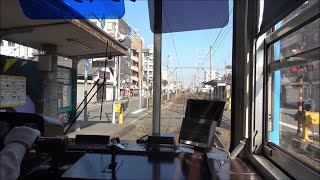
point(168, 81)
point(118, 83)
point(85, 112)
point(157, 44)
point(114, 92)
point(176, 84)
point(210, 63)
point(25, 52)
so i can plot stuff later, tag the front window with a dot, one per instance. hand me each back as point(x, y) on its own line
point(124, 82)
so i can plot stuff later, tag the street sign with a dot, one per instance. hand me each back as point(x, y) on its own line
point(110, 64)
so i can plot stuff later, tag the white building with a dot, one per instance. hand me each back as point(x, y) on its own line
point(148, 63)
point(16, 50)
point(215, 75)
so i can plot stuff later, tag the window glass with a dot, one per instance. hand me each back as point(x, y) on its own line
point(125, 82)
point(302, 8)
point(295, 94)
point(303, 40)
point(11, 44)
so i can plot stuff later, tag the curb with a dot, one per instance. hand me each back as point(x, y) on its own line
point(312, 148)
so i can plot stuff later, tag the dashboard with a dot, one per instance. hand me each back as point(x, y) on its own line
point(48, 127)
point(45, 147)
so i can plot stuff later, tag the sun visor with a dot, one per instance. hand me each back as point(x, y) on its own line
point(190, 15)
point(275, 10)
point(73, 9)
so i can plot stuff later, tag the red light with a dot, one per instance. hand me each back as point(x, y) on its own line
point(294, 69)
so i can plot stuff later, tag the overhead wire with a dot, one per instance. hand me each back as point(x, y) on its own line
point(214, 43)
point(222, 40)
point(170, 31)
point(143, 29)
point(14, 50)
point(204, 60)
point(206, 35)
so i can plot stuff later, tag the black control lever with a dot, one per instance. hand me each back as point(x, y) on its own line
point(51, 144)
point(44, 150)
point(115, 147)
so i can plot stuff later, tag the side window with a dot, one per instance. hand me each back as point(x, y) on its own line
point(293, 94)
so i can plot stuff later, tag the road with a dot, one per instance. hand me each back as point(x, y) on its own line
point(94, 111)
point(138, 122)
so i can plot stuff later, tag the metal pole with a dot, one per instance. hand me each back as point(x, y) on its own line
point(176, 83)
point(114, 93)
point(210, 63)
point(85, 90)
point(157, 67)
point(118, 83)
point(168, 81)
point(25, 52)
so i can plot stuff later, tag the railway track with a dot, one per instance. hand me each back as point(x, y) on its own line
point(171, 119)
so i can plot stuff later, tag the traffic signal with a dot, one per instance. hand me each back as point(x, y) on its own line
point(309, 67)
point(294, 69)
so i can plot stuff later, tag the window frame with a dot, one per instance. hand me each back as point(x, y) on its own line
point(11, 44)
point(297, 169)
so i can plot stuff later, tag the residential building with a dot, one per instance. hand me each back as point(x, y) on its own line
point(148, 63)
point(8, 48)
point(215, 75)
point(94, 74)
point(136, 57)
point(228, 70)
point(147, 70)
point(120, 30)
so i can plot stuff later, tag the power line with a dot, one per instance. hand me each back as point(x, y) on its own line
point(14, 50)
point(205, 37)
point(173, 43)
point(222, 40)
point(218, 35)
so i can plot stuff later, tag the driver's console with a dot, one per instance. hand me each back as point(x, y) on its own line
point(49, 146)
point(54, 156)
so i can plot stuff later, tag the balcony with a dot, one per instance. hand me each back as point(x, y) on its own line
point(136, 69)
point(135, 58)
point(135, 78)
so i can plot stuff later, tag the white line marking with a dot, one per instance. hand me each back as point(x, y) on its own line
point(137, 111)
point(140, 117)
point(293, 127)
point(289, 125)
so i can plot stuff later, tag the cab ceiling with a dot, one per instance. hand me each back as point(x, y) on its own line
point(77, 39)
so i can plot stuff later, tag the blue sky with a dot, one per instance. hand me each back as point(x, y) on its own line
point(186, 43)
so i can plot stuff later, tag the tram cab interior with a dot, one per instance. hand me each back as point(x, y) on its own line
point(275, 53)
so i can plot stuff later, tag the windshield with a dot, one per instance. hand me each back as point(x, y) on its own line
point(185, 68)
point(116, 98)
